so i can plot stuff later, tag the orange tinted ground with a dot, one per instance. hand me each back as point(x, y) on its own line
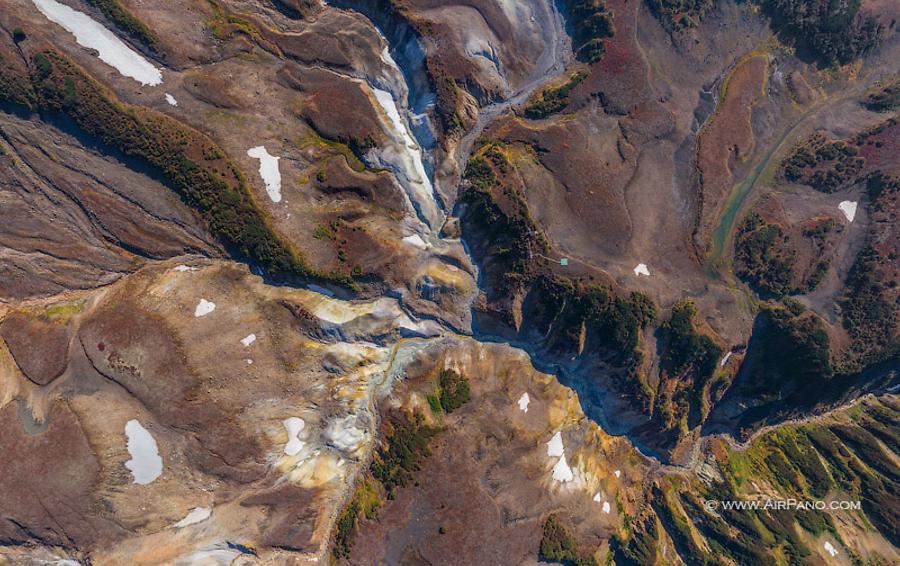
point(726, 138)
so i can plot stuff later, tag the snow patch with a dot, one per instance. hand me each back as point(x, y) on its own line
point(248, 339)
point(523, 403)
point(249, 361)
point(848, 207)
point(111, 50)
point(606, 507)
point(597, 498)
point(641, 269)
point(562, 472)
point(555, 446)
point(185, 268)
point(725, 360)
point(618, 473)
point(171, 100)
point(145, 464)
point(204, 307)
point(196, 515)
point(830, 549)
point(293, 426)
point(268, 170)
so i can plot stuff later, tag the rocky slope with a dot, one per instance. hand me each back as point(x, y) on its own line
point(293, 282)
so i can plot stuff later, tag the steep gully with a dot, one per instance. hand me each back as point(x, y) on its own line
point(412, 101)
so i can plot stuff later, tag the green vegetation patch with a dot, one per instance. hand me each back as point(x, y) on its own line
point(558, 545)
point(868, 310)
point(885, 100)
point(680, 14)
point(403, 448)
point(189, 161)
point(591, 23)
point(833, 31)
point(127, 22)
point(827, 166)
point(761, 257)
point(685, 348)
point(364, 501)
point(451, 393)
point(553, 100)
point(788, 352)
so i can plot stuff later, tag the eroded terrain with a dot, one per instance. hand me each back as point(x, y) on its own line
point(422, 281)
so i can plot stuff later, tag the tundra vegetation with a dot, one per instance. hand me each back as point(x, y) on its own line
point(405, 444)
point(559, 545)
point(885, 100)
point(127, 22)
point(553, 100)
point(189, 161)
point(591, 23)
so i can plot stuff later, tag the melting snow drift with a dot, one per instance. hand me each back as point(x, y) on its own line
point(641, 269)
point(417, 241)
point(145, 463)
point(830, 549)
point(196, 515)
point(293, 426)
point(171, 100)
point(268, 170)
point(111, 50)
point(249, 339)
point(561, 471)
point(848, 207)
point(523, 403)
point(204, 307)
point(555, 446)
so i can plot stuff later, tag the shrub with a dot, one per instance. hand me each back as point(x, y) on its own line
point(123, 19)
point(558, 545)
point(454, 390)
point(553, 100)
point(404, 446)
point(886, 100)
point(215, 187)
point(19, 35)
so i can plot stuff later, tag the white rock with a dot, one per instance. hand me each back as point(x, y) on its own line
point(249, 361)
point(294, 426)
point(196, 515)
point(268, 170)
point(555, 446)
point(523, 402)
point(111, 50)
point(145, 464)
point(204, 307)
point(248, 339)
point(171, 100)
point(848, 207)
point(344, 435)
point(641, 269)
